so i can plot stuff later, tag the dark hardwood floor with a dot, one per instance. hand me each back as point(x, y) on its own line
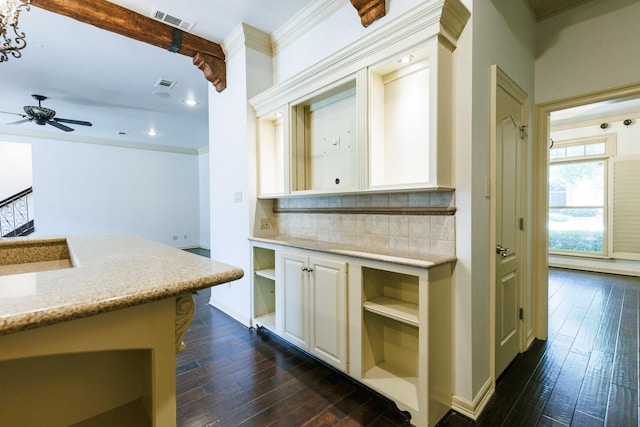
point(586, 374)
point(233, 376)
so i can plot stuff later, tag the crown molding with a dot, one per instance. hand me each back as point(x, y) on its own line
point(413, 27)
point(303, 21)
point(100, 141)
point(245, 35)
point(596, 122)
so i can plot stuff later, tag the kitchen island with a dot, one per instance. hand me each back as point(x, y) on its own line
point(90, 325)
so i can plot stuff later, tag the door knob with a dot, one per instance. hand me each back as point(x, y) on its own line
point(502, 251)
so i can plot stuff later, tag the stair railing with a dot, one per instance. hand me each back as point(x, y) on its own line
point(16, 214)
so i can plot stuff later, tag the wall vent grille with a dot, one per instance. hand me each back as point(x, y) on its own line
point(161, 16)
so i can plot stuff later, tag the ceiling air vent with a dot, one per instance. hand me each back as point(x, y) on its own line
point(165, 84)
point(161, 16)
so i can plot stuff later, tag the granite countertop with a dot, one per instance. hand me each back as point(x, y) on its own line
point(107, 272)
point(396, 257)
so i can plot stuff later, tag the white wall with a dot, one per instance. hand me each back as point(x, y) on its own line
point(585, 51)
point(15, 168)
point(89, 188)
point(500, 32)
point(323, 40)
point(204, 199)
point(590, 49)
point(232, 145)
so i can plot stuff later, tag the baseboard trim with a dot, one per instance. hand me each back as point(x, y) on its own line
point(473, 409)
point(597, 268)
point(230, 311)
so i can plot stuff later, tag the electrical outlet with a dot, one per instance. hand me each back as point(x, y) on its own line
point(264, 223)
point(175, 237)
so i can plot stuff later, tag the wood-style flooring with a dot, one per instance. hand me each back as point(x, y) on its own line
point(233, 376)
point(586, 374)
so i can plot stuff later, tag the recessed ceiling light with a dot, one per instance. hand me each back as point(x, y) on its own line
point(152, 132)
point(405, 59)
point(190, 102)
point(161, 94)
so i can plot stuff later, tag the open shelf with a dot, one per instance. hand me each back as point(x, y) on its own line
point(264, 287)
point(267, 320)
point(394, 309)
point(267, 273)
point(390, 353)
point(391, 294)
point(395, 384)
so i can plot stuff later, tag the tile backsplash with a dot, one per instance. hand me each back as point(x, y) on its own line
point(356, 221)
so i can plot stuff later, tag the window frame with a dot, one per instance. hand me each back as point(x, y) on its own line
point(609, 141)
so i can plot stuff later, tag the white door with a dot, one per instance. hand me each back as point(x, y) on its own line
point(328, 311)
point(510, 115)
point(294, 289)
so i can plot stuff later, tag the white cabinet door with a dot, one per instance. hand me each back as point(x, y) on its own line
point(294, 289)
point(314, 303)
point(328, 311)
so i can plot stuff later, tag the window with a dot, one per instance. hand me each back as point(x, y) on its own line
point(578, 196)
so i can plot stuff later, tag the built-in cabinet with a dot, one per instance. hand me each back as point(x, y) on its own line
point(385, 324)
point(314, 305)
point(406, 337)
point(375, 116)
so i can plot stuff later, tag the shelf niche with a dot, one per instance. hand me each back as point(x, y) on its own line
point(264, 287)
point(390, 341)
point(272, 151)
point(324, 141)
point(399, 121)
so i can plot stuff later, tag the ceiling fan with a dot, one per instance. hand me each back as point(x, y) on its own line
point(44, 116)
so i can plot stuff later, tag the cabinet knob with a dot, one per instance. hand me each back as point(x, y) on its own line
point(307, 269)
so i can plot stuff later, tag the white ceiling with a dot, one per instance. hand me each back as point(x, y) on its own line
point(107, 79)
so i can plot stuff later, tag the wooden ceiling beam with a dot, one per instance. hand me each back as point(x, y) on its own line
point(370, 10)
point(207, 55)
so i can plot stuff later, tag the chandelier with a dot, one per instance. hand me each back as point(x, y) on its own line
point(11, 37)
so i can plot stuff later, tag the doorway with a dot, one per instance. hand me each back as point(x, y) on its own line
point(540, 208)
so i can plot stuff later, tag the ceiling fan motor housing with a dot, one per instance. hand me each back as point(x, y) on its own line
point(41, 115)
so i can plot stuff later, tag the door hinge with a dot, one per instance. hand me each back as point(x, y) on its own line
point(521, 313)
point(521, 223)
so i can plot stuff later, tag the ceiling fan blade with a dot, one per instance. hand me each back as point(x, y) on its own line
point(60, 126)
point(15, 114)
point(17, 122)
point(74, 122)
